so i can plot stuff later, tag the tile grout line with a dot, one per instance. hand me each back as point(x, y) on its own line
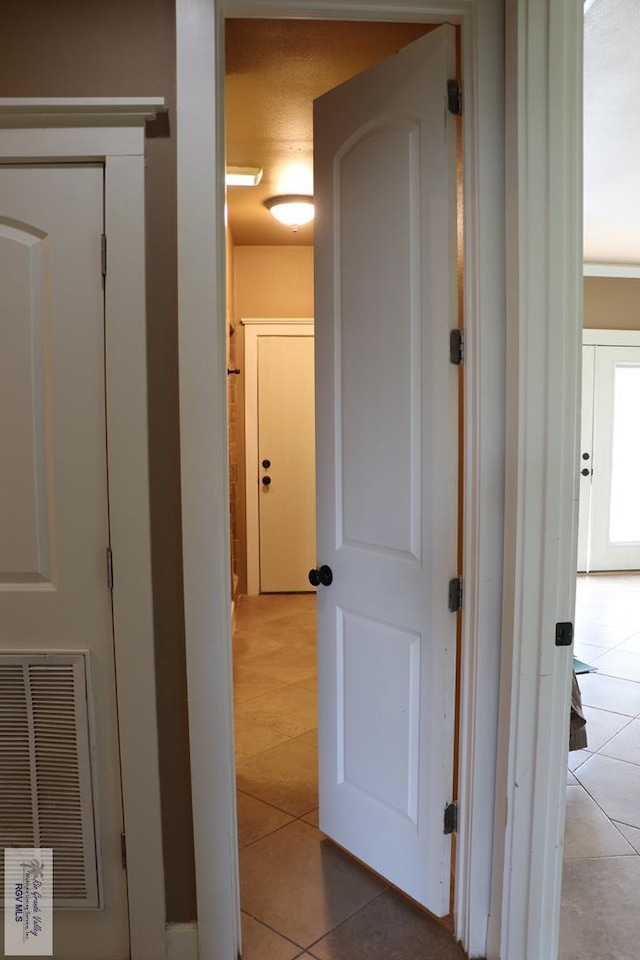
point(350, 917)
point(273, 930)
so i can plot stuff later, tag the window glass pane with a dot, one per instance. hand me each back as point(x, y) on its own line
point(624, 516)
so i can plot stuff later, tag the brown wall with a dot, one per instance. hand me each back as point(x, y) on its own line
point(267, 282)
point(611, 303)
point(123, 48)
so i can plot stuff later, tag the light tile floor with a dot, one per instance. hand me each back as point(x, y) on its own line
point(302, 896)
point(600, 917)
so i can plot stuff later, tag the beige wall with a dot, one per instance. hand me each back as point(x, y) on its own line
point(611, 303)
point(72, 48)
point(267, 282)
point(273, 282)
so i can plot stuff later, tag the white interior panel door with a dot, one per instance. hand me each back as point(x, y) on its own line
point(387, 440)
point(586, 456)
point(286, 453)
point(54, 527)
point(615, 503)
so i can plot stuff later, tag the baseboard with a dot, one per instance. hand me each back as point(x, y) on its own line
point(182, 941)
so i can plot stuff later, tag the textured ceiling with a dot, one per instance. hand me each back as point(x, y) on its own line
point(275, 69)
point(612, 132)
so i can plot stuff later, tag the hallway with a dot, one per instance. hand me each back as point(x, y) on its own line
point(301, 896)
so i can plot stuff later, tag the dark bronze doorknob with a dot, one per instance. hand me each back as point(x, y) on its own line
point(266, 481)
point(323, 576)
point(585, 472)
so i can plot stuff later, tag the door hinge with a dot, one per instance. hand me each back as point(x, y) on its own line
point(564, 634)
point(456, 346)
point(451, 818)
point(103, 254)
point(454, 98)
point(123, 850)
point(455, 594)
point(109, 568)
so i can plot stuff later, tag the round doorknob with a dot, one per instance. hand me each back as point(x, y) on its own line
point(323, 575)
point(266, 481)
point(266, 464)
point(585, 456)
point(585, 472)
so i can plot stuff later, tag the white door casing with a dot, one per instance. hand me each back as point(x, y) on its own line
point(54, 595)
point(542, 207)
point(200, 59)
point(280, 517)
point(387, 442)
point(111, 132)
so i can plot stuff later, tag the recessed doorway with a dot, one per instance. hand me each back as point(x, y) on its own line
point(274, 649)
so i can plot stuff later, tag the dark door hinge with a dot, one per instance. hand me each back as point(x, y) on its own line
point(456, 347)
point(123, 850)
point(455, 594)
point(454, 98)
point(451, 818)
point(103, 254)
point(109, 568)
point(564, 634)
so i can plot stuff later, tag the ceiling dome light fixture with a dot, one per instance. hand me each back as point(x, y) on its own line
point(292, 209)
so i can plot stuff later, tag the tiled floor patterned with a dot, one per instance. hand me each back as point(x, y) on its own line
point(600, 917)
point(303, 897)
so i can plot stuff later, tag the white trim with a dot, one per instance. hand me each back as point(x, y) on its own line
point(544, 267)
point(255, 329)
point(411, 11)
point(204, 473)
point(204, 483)
point(484, 415)
point(281, 321)
point(125, 318)
point(626, 270)
point(611, 338)
point(60, 111)
point(125, 299)
point(182, 941)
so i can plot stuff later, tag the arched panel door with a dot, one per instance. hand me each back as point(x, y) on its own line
point(387, 463)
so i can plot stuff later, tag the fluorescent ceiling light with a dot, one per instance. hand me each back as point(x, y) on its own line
point(243, 176)
point(292, 209)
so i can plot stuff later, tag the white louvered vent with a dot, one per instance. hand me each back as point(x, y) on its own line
point(45, 769)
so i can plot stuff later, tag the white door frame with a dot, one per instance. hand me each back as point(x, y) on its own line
point(528, 309)
point(111, 131)
point(254, 329)
point(611, 338)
